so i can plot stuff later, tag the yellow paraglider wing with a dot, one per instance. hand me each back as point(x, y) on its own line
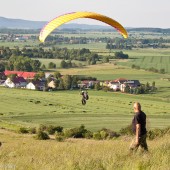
point(52, 25)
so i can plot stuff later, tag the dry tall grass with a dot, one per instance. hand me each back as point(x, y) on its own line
point(22, 152)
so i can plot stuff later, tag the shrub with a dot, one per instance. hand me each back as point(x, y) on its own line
point(42, 127)
point(23, 130)
point(88, 134)
point(108, 134)
point(42, 136)
point(97, 136)
point(103, 134)
point(126, 130)
point(75, 132)
point(156, 133)
point(59, 136)
point(52, 129)
point(32, 130)
point(105, 88)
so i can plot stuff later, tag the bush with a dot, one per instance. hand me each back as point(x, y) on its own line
point(75, 132)
point(103, 134)
point(42, 136)
point(156, 133)
point(32, 130)
point(52, 129)
point(88, 135)
point(42, 127)
point(126, 130)
point(108, 134)
point(59, 136)
point(97, 136)
point(105, 88)
point(23, 130)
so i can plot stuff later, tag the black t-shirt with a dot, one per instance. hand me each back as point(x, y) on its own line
point(139, 118)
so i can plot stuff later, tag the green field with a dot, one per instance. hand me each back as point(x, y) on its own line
point(112, 110)
point(147, 58)
point(104, 109)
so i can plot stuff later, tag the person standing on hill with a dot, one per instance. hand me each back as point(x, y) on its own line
point(139, 129)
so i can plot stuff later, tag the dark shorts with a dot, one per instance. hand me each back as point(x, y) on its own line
point(142, 144)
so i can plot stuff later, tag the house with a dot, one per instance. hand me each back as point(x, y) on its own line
point(120, 80)
point(105, 83)
point(25, 75)
point(47, 75)
point(36, 85)
point(28, 75)
point(52, 84)
point(88, 83)
point(17, 82)
point(2, 82)
point(115, 86)
point(131, 83)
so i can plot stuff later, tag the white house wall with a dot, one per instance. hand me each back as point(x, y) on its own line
point(30, 86)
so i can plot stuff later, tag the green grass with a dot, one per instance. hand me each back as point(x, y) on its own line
point(23, 152)
point(19, 44)
point(57, 62)
point(104, 109)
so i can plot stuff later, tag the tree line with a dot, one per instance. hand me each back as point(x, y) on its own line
point(54, 53)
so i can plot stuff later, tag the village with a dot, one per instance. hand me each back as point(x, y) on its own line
point(28, 80)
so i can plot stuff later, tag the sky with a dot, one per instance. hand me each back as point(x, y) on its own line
point(130, 13)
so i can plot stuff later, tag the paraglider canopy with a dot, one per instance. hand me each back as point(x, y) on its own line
point(55, 23)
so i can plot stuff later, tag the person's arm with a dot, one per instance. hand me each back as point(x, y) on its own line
point(138, 127)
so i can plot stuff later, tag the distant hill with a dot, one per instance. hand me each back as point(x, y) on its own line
point(20, 24)
point(26, 24)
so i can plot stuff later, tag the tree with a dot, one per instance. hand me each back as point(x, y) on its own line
point(97, 86)
point(105, 59)
point(43, 67)
point(39, 75)
point(127, 89)
point(2, 67)
point(63, 64)
point(61, 84)
point(67, 82)
point(51, 65)
point(162, 71)
point(21, 63)
point(120, 55)
point(35, 65)
point(147, 87)
point(57, 74)
point(74, 81)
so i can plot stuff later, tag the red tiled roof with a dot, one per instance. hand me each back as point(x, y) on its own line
point(25, 75)
point(28, 74)
point(120, 80)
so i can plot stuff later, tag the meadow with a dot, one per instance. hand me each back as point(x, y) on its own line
point(23, 152)
point(112, 110)
point(104, 109)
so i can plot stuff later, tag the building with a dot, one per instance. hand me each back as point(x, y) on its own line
point(25, 75)
point(17, 82)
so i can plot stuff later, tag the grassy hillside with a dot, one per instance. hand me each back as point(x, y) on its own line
point(23, 152)
point(104, 109)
